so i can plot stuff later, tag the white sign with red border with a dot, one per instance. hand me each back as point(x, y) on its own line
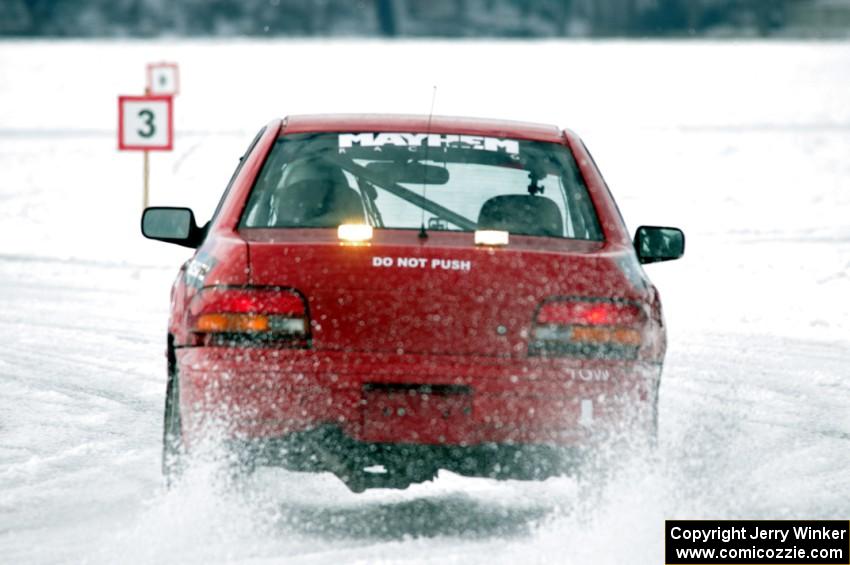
point(145, 123)
point(163, 79)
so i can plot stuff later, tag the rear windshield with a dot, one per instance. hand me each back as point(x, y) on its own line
point(408, 180)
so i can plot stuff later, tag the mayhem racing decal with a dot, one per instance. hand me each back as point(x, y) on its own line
point(422, 263)
point(414, 141)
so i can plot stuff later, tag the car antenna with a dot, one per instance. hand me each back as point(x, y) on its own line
point(422, 233)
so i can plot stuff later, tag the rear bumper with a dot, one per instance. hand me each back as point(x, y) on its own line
point(268, 394)
point(328, 448)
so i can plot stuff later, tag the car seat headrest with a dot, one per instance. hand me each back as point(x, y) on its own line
point(522, 214)
point(318, 203)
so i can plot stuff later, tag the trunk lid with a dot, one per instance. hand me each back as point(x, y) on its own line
point(439, 295)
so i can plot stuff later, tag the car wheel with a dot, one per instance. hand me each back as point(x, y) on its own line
point(653, 431)
point(172, 444)
point(652, 427)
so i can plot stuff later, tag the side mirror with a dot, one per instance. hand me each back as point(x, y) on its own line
point(172, 225)
point(654, 244)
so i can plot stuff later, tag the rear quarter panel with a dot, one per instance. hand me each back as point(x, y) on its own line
point(223, 257)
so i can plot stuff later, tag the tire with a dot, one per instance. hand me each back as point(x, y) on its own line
point(652, 432)
point(172, 434)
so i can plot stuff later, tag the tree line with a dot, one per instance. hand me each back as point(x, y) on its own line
point(387, 18)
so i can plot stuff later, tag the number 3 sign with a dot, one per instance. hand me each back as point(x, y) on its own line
point(145, 123)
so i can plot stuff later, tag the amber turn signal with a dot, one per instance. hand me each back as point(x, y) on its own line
point(232, 323)
point(589, 334)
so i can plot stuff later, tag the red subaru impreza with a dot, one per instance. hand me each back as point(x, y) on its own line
point(382, 297)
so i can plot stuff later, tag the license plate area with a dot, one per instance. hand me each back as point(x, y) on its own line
point(416, 413)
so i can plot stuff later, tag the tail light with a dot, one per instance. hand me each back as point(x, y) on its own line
point(245, 315)
point(588, 329)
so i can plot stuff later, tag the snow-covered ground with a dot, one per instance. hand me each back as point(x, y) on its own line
point(746, 146)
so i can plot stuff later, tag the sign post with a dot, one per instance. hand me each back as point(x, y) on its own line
point(145, 123)
point(147, 175)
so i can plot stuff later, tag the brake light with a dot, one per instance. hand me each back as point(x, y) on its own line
point(567, 312)
point(227, 315)
point(354, 233)
point(603, 329)
point(491, 237)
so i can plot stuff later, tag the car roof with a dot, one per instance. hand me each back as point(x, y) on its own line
point(420, 124)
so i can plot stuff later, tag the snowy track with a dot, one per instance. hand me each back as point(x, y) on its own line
point(755, 401)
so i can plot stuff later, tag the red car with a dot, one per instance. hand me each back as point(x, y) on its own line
point(382, 297)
